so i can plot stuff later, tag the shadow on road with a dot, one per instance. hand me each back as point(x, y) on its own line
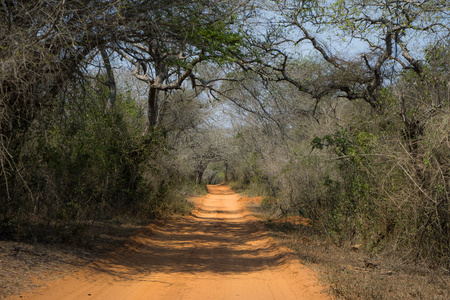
point(211, 242)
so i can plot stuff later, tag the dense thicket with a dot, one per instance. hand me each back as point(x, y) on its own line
point(378, 177)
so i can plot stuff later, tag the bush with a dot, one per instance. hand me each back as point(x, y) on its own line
point(77, 163)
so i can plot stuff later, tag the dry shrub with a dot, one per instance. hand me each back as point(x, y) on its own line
point(352, 273)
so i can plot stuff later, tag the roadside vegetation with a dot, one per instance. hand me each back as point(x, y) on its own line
point(333, 111)
point(352, 273)
point(376, 178)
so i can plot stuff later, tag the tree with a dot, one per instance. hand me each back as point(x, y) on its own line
point(382, 34)
point(175, 40)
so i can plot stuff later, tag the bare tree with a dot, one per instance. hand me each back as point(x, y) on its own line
point(387, 32)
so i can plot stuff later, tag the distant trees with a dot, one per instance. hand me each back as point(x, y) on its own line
point(193, 134)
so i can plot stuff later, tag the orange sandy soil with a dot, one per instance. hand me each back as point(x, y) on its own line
point(220, 252)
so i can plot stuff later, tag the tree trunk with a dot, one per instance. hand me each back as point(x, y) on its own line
point(201, 167)
point(111, 83)
point(199, 176)
point(152, 109)
point(225, 177)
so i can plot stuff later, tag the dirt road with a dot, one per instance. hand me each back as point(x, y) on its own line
point(221, 252)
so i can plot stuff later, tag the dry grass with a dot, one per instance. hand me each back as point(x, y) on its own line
point(353, 273)
point(26, 265)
